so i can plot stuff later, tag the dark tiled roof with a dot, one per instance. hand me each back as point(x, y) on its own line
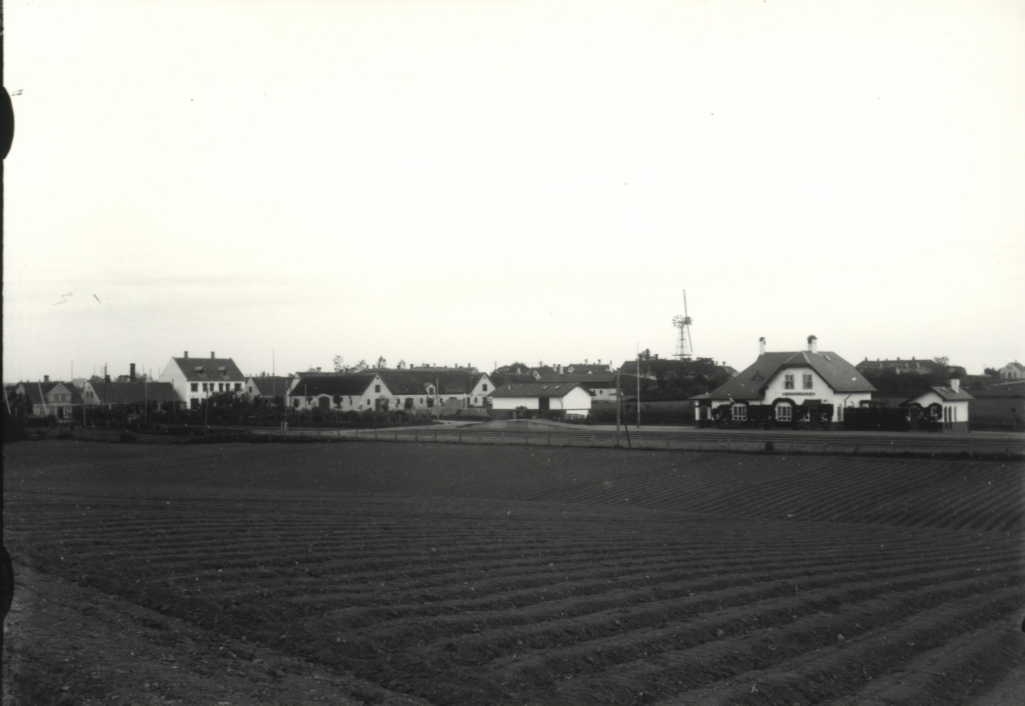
point(33, 389)
point(332, 384)
point(949, 395)
point(415, 382)
point(536, 389)
point(1015, 388)
point(271, 385)
point(603, 380)
point(586, 369)
point(207, 369)
point(750, 383)
point(134, 392)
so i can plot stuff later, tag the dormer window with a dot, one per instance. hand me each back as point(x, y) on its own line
point(788, 381)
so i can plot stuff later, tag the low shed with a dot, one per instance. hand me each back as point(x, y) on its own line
point(570, 397)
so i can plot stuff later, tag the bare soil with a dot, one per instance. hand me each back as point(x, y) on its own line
point(403, 574)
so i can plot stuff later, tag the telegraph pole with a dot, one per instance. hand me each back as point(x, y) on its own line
point(638, 390)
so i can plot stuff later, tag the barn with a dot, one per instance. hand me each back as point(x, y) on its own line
point(571, 398)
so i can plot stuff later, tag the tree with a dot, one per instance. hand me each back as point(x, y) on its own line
point(382, 362)
point(339, 364)
point(991, 372)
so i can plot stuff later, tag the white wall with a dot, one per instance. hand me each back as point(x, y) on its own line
point(819, 391)
point(514, 402)
point(955, 412)
point(481, 391)
point(576, 401)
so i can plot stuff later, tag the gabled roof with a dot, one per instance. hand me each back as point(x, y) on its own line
point(601, 380)
point(750, 383)
point(586, 368)
point(134, 392)
point(32, 391)
point(948, 394)
point(536, 389)
point(271, 385)
point(207, 369)
point(310, 385)
point(415, 382)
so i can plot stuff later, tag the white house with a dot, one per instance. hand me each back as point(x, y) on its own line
point(570, 397)
point(343, 392)
point(197, 379)
point(793, 382)
point(440, 389)
point(1012, 371)
point(50, 399)
point(601, 384)
point(949, 405)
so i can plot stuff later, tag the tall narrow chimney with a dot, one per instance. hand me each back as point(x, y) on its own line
point(813, 344)
point(761, 346)
point(186, 354)
point(212, 356)
point(955, 384)
point(131, 372)
point(46, 378)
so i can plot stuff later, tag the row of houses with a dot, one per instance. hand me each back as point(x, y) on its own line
point(794, 383)
point(188, 382)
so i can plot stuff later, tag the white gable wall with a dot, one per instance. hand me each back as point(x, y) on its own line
point(955, 413)
point(576, 402)
point(820, 390)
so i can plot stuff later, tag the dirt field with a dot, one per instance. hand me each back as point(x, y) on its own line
point(403, 574)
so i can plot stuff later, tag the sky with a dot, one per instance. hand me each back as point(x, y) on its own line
point(457, 181)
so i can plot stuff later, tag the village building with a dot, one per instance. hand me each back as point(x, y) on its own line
point(793, 382)
point(198, 379)
point(342, 392)
point(601, 385)
point(268, 387)
point(949, 405)
point(443, 390)
point(48, 398)
point(140, 394)
point(1012, 371)
point(568, 397)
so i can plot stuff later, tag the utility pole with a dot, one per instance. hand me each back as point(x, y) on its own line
point(638, 390)
point(619, 402)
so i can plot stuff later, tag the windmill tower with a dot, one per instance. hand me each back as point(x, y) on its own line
point(684, 345)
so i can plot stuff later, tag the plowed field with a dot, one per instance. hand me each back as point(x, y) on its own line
point(501, 575)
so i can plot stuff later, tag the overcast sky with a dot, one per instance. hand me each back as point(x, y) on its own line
point(477, 181)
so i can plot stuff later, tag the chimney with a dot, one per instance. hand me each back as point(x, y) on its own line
point(131, 372)
point(761, 346)
point(46, 378)
point(813, 344)
point(955, 384)
point(212, 356)
point(186, 354)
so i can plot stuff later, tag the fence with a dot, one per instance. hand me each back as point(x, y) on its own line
point(708, 440)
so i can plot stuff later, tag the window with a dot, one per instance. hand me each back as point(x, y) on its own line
point(238, 386)
point(204, 387)
point(788, 381)
point(295, 403)
point(377, 388)
point(195, 387)
point(739, 412)
point(784, 413)
point(806, 382)
point(484, 387)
